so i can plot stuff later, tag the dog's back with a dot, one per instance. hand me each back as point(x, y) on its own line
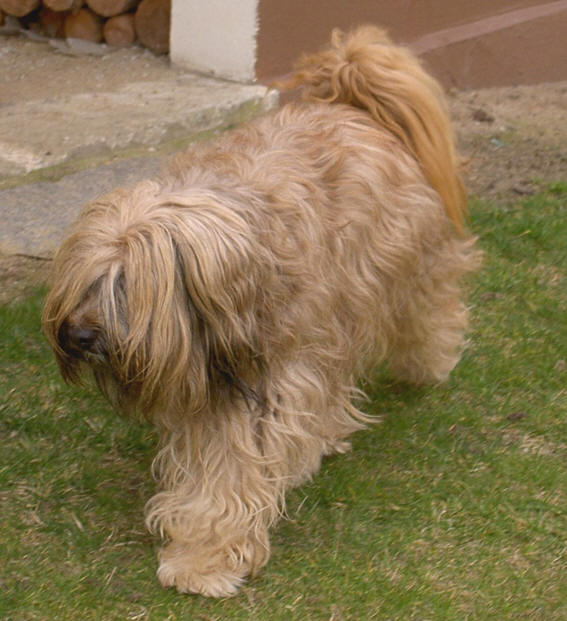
point(340, 189)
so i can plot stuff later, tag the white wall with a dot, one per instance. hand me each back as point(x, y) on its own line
point(215, 36)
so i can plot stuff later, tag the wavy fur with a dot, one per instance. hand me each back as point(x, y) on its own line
point(236, 300)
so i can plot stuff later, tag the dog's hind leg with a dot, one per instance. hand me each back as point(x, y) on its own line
point(432, 319)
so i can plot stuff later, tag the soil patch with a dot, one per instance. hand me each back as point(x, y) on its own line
point(19, 274)
point(514, 138)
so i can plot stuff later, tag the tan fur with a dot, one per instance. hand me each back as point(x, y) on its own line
point(237, 299)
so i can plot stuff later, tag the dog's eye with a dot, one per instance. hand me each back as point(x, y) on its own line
point(82, 338)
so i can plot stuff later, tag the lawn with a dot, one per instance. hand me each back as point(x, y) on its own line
point(453, 507)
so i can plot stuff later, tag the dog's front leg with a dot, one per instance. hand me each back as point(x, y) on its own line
point(215, 506)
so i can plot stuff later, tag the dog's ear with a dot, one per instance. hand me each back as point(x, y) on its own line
point(221, 268)
point(191, 279)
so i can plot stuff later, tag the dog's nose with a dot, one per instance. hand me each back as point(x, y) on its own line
point(81, 338)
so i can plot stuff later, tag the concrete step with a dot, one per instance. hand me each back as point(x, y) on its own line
point(43, 133)
point(72, 128)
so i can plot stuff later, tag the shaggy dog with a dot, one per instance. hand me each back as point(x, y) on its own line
point(235, 301)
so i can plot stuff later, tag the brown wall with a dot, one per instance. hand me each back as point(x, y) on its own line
point(468, 44)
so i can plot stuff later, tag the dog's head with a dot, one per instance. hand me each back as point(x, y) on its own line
point(155, 291)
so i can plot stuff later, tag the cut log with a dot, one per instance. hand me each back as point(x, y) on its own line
point(83, 25)
point(152, 21)
point(52, 23)
point(119, 30)
point(63, 5)
point(109, 8)
point(18, 8)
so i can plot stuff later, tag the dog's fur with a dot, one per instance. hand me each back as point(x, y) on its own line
point(235, 301)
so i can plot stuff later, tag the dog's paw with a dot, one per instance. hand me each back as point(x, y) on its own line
point(337, 446)
point(215, 575)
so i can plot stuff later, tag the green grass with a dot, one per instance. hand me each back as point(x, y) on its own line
point(455, 507)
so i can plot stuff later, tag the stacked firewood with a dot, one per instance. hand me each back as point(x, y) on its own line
point(118, 23)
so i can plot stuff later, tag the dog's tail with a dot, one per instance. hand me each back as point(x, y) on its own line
point(366, 70)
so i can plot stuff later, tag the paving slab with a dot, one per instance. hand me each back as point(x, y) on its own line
point(34, 217)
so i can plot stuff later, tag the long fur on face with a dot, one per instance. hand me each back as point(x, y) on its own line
point(236, 300)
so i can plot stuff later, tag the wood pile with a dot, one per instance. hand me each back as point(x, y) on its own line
point(118, 23)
